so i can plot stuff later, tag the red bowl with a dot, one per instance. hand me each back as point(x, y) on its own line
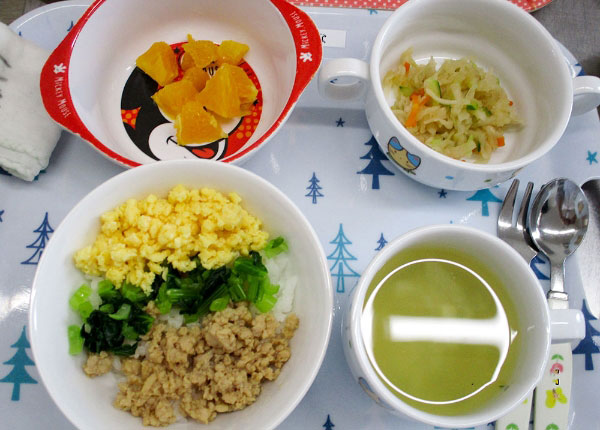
point(91, 86)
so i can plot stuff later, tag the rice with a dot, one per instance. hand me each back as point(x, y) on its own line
point(116, 363)
point(141, 350)
point(94, 298)
point(282, 273)
point(173, 318)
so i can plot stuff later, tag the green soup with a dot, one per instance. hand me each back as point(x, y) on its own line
point(440, 330)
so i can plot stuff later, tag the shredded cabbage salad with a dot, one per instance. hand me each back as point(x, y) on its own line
point(459, 110)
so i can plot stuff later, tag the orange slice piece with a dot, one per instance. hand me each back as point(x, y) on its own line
point(197, 76)
point(159, 62)
point(187, 62)
point(220, 95)
point(246, 89)
point(231, 52)
point(202, 52)
point(171, 98)
point(195, 125)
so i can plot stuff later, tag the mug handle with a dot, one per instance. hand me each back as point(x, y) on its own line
point(339, 68)
point(586, 94)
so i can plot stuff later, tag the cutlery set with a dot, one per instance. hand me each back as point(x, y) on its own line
point(555, 225)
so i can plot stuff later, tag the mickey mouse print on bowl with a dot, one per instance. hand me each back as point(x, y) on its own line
point(90, 84)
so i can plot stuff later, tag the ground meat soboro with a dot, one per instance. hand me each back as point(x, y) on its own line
point(98, 364)
point(213, 368)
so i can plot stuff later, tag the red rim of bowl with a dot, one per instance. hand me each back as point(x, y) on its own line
point(56, 94)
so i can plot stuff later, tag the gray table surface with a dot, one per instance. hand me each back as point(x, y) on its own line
point(575, 23)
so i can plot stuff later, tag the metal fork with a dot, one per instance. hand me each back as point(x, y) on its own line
point(516, 233)
point(517, 236)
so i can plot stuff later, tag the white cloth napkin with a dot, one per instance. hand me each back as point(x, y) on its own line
point(27, 133)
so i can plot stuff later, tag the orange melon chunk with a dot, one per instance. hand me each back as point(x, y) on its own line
point(231, 52)
point(195, 125)
point(159, 62)
point(174, 96)
point(202, 52)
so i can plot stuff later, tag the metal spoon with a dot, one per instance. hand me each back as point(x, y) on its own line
point(558, 221)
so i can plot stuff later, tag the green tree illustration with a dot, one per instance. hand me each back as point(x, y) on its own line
point(484, 196)
point(328, 424)
point(18, 375)
point(375, 166)
point(340, 268)
point(381, 243)
point(39, 244)
point(314, 188)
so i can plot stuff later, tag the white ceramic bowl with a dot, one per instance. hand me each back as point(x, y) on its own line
point(522, 287)
point(84, 79)
point(499, 36)
point(88, 402)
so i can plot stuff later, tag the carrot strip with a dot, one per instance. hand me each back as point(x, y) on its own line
point(406, 66)
point(500, 141)
point(411, 121)
point(510, 102)
point(417, 104)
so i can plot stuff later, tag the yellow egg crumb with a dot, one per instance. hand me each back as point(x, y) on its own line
point(139, 235)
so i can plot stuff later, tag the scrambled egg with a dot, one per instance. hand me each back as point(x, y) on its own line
point(138, 236)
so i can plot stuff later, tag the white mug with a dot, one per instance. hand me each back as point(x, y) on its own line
point(522, 288)
point(500, 37)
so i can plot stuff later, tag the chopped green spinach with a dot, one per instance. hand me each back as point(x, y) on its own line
point(120, 320)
